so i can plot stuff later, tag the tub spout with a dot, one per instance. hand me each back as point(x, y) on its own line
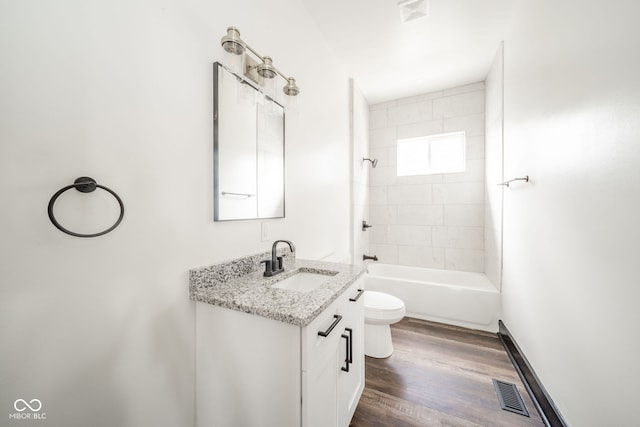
point(366, 257)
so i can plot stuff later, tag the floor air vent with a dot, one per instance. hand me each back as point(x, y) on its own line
point(510, 398)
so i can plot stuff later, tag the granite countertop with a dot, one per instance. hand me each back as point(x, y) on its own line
point(240, 285)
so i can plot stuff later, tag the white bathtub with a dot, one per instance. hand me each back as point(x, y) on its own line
point(453, 297)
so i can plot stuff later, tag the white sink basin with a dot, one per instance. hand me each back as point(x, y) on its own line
point(302, 282)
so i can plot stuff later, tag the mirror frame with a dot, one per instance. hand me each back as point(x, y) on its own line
point(217, 69)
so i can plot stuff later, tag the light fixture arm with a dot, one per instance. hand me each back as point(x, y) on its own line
point(281, 75)
point(252, 50)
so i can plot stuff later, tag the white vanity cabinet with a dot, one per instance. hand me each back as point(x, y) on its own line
point(256, 371)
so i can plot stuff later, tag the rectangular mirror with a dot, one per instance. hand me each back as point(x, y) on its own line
point(248, 147)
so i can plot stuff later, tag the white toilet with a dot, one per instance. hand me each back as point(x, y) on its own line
point(380, 311)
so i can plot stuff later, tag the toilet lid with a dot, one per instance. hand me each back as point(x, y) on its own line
point(376, 301)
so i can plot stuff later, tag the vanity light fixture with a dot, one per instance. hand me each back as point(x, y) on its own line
point(264, 68)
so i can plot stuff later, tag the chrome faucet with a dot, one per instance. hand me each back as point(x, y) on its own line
point(274, 265)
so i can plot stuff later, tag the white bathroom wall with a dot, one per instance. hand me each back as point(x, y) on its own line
point(360, 186)
point(101, 330)
point(494, 118)
point(571, 274)
point(434, 221)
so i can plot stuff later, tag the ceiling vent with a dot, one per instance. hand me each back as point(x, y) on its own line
point(413, 9)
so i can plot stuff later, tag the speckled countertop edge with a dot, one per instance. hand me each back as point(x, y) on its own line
point(238, 285)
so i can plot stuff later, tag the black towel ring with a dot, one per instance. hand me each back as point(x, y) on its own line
point(84, 184)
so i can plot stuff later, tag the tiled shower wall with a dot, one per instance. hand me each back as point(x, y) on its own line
point(434, 221)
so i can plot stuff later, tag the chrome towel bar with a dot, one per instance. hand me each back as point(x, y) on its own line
point(228, 193)
point(524, 178)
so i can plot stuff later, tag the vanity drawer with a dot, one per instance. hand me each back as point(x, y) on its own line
point(315, 347)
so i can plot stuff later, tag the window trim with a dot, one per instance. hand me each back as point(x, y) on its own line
point(428, 139)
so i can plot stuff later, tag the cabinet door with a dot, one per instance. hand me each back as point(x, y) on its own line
point(320, 394)
point(320, 369)
point(351, 382)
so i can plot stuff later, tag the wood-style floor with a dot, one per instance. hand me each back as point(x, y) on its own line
point(439, 375)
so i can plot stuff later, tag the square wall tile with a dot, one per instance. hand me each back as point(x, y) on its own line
point(459, 193)
point(464, 215)
point(458, 237)
point(410, 194)
point(378, 234)
point(415, 235)
point(382, 175)
point(420, 179)
point(392, 156)
point(377, 195)
point(474, 172)
point(459, 105)
point(377, 119)
point(383, 137)
point(431, 127)
point(473, 125)
point(418, 256)
point(420, 215)
point(464, 260)
point(475, 147)
point(383, 215)
point(409, 113)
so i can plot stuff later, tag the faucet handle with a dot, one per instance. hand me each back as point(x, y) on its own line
point(267, 265)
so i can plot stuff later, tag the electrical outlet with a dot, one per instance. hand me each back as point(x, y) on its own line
point(264, 232)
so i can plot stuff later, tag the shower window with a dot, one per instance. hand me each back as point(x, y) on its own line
point(433, 154)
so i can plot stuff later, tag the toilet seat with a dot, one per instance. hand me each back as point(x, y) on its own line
point(381, 308)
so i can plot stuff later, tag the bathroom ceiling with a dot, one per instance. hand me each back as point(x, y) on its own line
point(453, 46)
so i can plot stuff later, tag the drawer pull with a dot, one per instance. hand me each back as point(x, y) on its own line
point(326, 333)
point(346, 352)
point(350, 344)
point(358, 295)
